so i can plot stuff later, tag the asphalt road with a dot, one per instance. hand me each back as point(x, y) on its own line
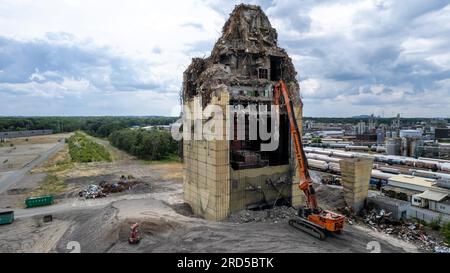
point(10, 178)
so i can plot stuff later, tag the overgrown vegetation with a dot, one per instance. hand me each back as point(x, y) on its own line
point(445, 231)
point(436, 224)
point(51, 185)
point(82, 149)
point(149, 145)
point(316, 140)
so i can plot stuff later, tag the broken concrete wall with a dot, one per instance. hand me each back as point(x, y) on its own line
point(207, 171)
point(245, 63)
point(356, 173)
point(251, 188)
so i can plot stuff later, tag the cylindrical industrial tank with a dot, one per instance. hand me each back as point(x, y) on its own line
point(389, 170)
point(410, 133)
point(322, 157)
point(434, 159)
point(425, 174)
point(415, 147)
point(322, 152)
point(427, 164)
point(393, 146)
point(318, 164)
point(381, 175)
point(338, 145)
point(354, 147)
point(343, 154)
point(444, 167)
point(411, 162)
point(334, 167)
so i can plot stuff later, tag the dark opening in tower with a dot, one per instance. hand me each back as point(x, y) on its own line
point(247, 154)
point(276, 68)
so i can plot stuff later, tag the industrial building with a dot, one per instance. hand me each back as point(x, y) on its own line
point(222, 176)
point(404, 187)
point(442, 133)
point(429, 198)
point(28, 133)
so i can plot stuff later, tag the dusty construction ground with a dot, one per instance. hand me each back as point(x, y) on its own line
point(102, 225)
point(19, 156)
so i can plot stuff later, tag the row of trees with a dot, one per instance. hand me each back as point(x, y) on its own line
point(154, 144)
point(97, 126)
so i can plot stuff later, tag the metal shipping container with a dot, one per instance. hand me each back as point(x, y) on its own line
point(45, 200)
point(6, 217)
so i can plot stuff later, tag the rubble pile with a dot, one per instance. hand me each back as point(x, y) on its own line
point(381, 221)
point(105, 188)
point(92, 191)
point(275, 215)
point(247, 39)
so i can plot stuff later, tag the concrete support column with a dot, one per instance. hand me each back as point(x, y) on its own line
point(356, 174)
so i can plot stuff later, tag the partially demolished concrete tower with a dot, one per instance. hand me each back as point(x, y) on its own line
point(222, 176)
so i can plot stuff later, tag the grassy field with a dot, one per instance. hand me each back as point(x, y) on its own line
point(82, 149)
point(51, 185)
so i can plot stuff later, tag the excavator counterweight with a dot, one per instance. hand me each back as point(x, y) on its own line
point(311, 219)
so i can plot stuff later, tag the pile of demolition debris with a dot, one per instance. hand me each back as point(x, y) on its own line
point(105, 188)
point(275, 215)
point(382, 221)
point(247, 38)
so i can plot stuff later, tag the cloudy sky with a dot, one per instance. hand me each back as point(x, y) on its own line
point(108, 57)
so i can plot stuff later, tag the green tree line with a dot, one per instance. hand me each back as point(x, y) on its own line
point(96, 126)
point(154, 144)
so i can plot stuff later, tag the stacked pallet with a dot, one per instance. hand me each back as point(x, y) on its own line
point(356, 174)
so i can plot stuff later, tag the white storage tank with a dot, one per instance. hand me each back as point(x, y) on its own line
point(381, 175)
point(318, 164)
point(354, 148)
point(334, 167)
point(393, 146)
point(410, 133)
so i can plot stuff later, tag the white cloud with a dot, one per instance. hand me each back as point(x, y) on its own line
point(310, 86)
point(353, 57)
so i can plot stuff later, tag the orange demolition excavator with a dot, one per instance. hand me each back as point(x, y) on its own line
point(312, 219)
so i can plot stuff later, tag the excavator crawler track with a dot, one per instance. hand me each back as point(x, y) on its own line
point(308, 227)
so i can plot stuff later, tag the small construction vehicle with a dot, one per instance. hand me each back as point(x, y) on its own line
point(134, 234)
point(311, 219)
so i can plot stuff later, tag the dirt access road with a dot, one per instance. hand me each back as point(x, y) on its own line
point(37, 153)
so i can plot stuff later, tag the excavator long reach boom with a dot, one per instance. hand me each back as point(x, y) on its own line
point(312, 219)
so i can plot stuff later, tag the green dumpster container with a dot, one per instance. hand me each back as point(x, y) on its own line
point(6, 217)
point(38, 201)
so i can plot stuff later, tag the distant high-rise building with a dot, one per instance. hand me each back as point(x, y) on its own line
point(360, 128)
point(396, 123)
point(372, 123)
